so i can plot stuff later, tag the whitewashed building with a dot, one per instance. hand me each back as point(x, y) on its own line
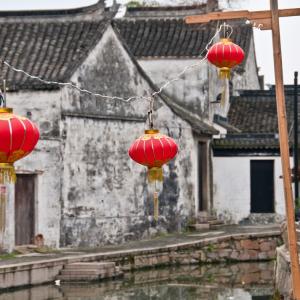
point(79, 187)
point(248, 184)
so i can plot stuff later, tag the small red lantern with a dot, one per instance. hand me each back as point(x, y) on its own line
point(18, 138)
point(153, 150)
point(225, 55)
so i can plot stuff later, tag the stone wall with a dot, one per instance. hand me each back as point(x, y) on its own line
point(226, 248)
point(233, 249)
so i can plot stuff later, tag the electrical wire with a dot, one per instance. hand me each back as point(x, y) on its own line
point(132, 98)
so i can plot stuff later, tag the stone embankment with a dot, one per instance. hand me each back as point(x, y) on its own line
point(240, 244)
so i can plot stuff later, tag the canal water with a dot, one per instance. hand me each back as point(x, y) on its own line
point(243, 281)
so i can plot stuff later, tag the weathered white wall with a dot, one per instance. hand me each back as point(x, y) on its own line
point(232, 187)
point(105, 197)
point(191, 91)
point(248, 80)
point(43, 108)
point(200, 86)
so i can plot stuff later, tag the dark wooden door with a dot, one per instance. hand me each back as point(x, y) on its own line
point(24, 209)
point(262, 186)
point(202, 176)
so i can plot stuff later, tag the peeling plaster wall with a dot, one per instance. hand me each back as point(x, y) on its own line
point(43, 108)
point(248, 80)
point(105, 197)
point(191, 91)
point(232, 187)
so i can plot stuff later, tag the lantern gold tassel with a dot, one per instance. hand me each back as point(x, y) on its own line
point(7, 173)
point(155, 174)
point(156, 207)
point(224, 92)
point(224, 73)
point(2, 213)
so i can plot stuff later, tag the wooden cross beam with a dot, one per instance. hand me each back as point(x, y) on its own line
point(269, 20)
point(263, 17)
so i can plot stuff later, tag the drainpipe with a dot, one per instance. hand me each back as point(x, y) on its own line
point(296, 135)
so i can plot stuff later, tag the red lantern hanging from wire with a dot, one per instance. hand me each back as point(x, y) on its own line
point(18, 138)
point(225, 55)
point(153, 150)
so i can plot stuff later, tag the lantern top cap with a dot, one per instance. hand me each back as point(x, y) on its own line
point(226, 40)
point(151, 131)
point(6, 110)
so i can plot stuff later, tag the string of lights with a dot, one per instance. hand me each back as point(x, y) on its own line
point(135, 97)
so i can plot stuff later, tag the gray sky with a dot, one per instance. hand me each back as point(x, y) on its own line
point(289, 39)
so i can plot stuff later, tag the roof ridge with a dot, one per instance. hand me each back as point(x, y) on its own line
point(53, 12)
point(166, 7)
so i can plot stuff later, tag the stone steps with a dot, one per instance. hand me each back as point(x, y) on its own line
point(206, 222)
point(85, 272)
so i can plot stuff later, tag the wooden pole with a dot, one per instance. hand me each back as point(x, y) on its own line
point(296, 179)
point(284, 151)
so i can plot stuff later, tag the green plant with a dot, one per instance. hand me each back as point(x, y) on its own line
point(210, 248)
point(137, 3)
point(45, 250)
point(297, 203)
point(8, 255)
point(277, 296)
point(134, 4)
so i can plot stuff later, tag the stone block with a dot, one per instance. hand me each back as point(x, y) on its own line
point(263, 255)
point(265, 246)
point(234, 255)
point(237, 245)
point(266, 275)
point(271, 254)
point(224, 253)
point(223, 245)
point(250, 244)
point(249, 278)
point(244, 256)
point(253, 254)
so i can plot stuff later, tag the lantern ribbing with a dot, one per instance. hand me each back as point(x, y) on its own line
point(153, 150)
point(19, 136)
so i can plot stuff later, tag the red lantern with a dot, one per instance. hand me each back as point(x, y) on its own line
point(153, 150)
point(18, 138)
point(225, 55)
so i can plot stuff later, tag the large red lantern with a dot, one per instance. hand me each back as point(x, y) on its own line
point(18, 137)
point(225, 55)
point(153, 150)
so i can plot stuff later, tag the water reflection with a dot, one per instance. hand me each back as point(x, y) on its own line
point(247, 281)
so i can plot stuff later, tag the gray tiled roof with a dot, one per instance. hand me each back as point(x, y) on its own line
point(171, 37)
point(255, 111)
point(49, 44)
point(254, 114)
point(245, 142)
